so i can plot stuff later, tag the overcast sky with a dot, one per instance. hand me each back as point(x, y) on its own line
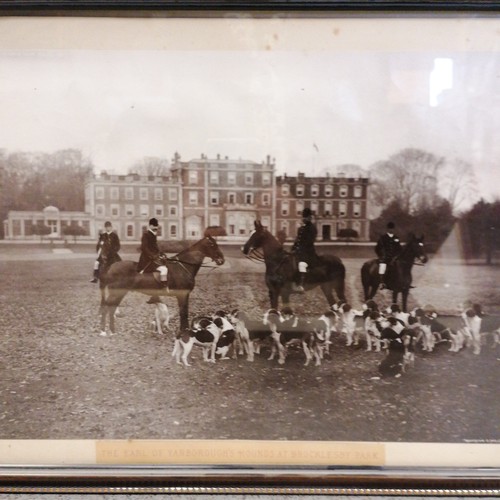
point(308, 109)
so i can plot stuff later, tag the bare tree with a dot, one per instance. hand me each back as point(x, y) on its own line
point(458, 184)
point(409, 178)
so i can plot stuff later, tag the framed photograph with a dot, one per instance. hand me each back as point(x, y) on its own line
point(250, 248)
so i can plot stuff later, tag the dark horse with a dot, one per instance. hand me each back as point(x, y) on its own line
point(398, 275)
point(281, 269)
point(123, 277)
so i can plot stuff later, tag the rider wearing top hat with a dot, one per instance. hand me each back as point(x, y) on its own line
point(303, 246)
point(387, 249)
point(107, 248)
point(148, 261)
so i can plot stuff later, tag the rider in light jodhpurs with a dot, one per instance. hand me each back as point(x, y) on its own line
point(149, 255)
point(303, 246)
point(387, 249)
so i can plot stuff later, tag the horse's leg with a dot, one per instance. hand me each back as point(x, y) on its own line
point(327, 289)
point(285, 296)
point(339, 286)
point(404, 295)
point(113, 300)
point(274, 298)
point(183, 302)
point(395, 297)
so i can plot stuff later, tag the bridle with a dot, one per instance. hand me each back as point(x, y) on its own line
point(255, 255)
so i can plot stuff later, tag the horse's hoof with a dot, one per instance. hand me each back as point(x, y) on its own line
point(102, 333)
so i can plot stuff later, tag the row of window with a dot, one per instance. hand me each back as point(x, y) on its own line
point(229, 178)
point(215, 198)
point(328, 190)
point(132, 233)
point(116, 210)
point(53, 224)
point(144, 193)
point(144, 210)
point(130, 193)
point(286, 208)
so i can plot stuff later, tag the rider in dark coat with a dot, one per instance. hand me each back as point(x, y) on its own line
point(303, 246)
point(148, 261)
point(149, 249)
point(387, 249)
point(107, 248)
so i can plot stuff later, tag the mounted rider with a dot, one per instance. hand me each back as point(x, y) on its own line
point(303, 247)
point(107, 248)
point(387, 249)
point(150, 253)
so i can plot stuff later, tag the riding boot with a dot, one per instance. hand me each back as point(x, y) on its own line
point(95, 278)
point(302, 279)
point(382, 282)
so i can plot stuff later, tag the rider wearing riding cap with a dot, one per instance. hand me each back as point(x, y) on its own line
point(148, 261)
point(303, 246)
point(387, 249)
point(107, 248)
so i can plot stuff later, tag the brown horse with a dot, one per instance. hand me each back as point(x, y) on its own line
point(281, 269)
point(122, 277)
point(398, 277)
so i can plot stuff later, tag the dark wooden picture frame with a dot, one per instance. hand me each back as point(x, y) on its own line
point(308, 468)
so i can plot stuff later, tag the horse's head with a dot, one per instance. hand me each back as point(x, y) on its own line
point(416, 247)
point(212, 250)
point(256, 238)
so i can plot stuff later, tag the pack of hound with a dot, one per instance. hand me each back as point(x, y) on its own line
point(224, 335)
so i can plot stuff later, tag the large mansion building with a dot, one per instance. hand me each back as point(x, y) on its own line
point(204, 192)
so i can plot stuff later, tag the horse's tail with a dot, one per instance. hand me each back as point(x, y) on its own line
point(337, 275)
point(365, 274)
point(341, 282)
point(367, 278)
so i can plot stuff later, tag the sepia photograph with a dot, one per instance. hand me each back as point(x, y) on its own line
point(252, 240)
